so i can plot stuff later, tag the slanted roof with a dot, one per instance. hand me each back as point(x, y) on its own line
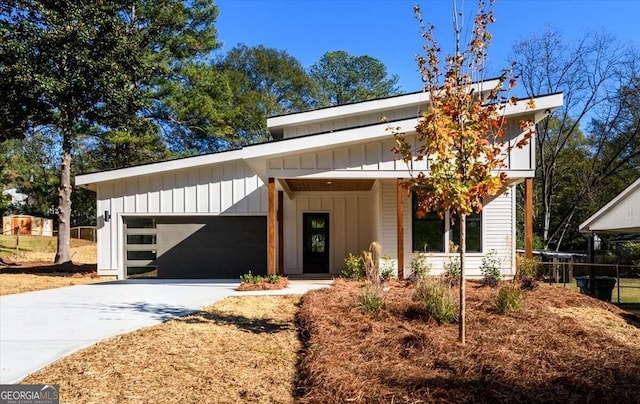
point(256, 154)
point(620, 215)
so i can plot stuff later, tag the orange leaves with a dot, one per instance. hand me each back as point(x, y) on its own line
point(531, 103)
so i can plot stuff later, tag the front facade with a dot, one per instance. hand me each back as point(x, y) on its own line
point(328, 185)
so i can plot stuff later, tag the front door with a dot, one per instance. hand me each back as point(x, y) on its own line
point(316, 242)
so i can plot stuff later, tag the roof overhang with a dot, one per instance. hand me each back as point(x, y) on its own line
point(596, 222)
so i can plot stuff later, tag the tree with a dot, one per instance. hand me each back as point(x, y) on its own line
point(95, 68)
point(265, 82)
point(341, 78)
point(595, 74)
point(461, 133)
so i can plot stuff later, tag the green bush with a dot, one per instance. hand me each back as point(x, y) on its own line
point(420, 268)
point(509, 299)
point(370, 300)
point(437, 301)
point(273, 278)
point(527, 267)
point(250, 278)
point(353, 267)
point(490, 268)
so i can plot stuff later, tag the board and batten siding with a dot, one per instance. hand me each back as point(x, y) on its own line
point(497, 232)
point(224, 189)
point(350, 225)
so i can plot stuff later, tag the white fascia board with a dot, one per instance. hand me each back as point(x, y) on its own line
point(324, 140)
point(372, 132)
point(163, 166)
point(365, 107)
point(585, 227)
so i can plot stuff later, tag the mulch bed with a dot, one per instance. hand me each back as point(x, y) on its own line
point(282, 283)
point(399, 355)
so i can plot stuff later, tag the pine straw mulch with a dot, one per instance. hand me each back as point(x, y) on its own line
point(241, 349)
point(562, 347)
point(20, 277)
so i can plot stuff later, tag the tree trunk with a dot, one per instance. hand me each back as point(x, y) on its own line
point(462, 331)
point(63, 254)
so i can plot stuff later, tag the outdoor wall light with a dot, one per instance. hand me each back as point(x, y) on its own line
point(107, 215)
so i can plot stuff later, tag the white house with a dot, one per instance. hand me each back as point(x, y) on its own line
point(620, 215)
point(326, 186)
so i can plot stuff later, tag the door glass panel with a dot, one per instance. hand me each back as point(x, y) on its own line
point(142, 272)
point(317, 223)
point(317, 243)
point(140, 223)
point(141, 238)
point(141, 255)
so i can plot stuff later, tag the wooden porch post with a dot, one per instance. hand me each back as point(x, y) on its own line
point(528, 217)
point(271, 255)
point(400, 227)
point(281, 233)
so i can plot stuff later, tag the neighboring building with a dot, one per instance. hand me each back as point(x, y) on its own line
point(26, 225)
point(327, 186)
point(620, 215)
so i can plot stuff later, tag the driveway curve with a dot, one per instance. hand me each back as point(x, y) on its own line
point(38, 328)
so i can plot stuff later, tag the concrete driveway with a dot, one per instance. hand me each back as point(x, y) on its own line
point(37, 328)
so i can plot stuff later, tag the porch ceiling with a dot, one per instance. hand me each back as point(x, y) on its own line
point(297, 185)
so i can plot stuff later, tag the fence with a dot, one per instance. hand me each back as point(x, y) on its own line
point(626, 289)
point(84, 233)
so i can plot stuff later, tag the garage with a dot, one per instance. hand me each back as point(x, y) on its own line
point(196, 247)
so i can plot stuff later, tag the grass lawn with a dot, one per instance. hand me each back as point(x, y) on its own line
point(629, 290)
point(20, 283)
point(42, 248)
point(242, 349)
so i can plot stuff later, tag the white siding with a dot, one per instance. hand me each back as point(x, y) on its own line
point(226, 189)
point(351, 225)
point(497, 232)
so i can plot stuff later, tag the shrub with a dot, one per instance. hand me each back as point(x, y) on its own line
point(387, 268)
point(452, 271)
point(250, 278)
point(353, 267)
point(528, 283)
point(490, 269)
point(370, 299)
point(437, 301)
point(509, 299)
point(527, 267)
point(419, 267)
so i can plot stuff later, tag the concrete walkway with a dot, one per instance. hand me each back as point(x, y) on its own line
point(38, 328)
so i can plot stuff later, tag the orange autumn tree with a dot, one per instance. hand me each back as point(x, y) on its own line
point(461, 133)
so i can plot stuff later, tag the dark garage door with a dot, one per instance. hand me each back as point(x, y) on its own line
point(209, 247)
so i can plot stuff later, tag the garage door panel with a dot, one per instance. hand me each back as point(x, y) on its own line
point(211, 247)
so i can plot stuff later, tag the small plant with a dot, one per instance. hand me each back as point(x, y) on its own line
point(371, 262)
point(250, 278)
point(387, 268)
point(353, 267)
point(419, 267)
point(437, 301)
point(452, 271)
point(490, 269)
point(273, 278)
point(370, 299)
point(528, 283)
point(527, 267)
point(509, 299)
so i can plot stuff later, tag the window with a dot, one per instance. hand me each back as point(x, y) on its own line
point(428, 231)
point(474, 232)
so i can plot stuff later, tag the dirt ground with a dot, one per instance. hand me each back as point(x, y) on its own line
point(242, 349)
point(562, 347)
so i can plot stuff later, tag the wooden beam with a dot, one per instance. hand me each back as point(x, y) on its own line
point(271, 255)
point(528, 217)
point(400, 227)
point(281, 233)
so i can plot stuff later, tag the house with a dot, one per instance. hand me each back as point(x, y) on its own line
point(326, 186)
point(620, 215)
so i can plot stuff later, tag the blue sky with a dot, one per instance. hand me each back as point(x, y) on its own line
point(388, 31)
